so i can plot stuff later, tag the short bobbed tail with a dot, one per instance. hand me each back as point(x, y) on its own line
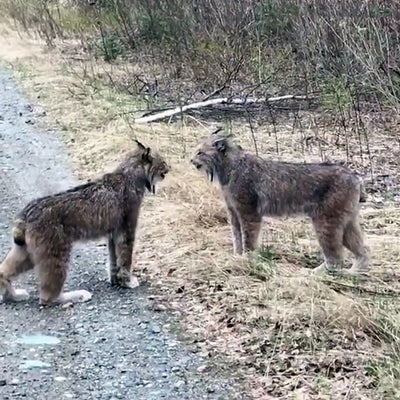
point(18, 232)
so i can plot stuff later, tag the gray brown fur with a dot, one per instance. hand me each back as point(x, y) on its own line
point(45, 230)
point(254, 187)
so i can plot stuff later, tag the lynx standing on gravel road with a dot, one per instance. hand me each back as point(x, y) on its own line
point(45, 230)
point(254, 187)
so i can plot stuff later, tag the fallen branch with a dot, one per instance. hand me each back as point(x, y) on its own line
point(222, 100)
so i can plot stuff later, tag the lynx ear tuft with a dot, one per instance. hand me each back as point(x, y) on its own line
point(221, 144)
point(217, 131)
point(146, 155)
point(140, 145)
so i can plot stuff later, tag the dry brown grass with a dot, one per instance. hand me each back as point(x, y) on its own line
point(292, 335)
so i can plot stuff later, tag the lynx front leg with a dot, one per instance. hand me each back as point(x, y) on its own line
point(236, 231)
point(121, 253)
point(251, 226)
point(122, 275)
point(120, 248)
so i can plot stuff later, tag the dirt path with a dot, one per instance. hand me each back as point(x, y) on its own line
point(114, 347)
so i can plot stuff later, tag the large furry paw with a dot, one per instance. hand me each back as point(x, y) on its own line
point(124, 279)
point(21, 295)
point(356, 271)
point(132, 283)
point(360, 267)
point(324, 270)
point(18, 295)
point(75, 296)
point(115, 280)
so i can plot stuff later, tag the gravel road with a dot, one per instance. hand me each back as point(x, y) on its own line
point(113, 347)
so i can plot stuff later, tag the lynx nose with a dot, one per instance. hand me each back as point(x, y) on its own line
point(196, 164)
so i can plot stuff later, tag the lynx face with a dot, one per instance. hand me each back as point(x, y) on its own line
point(209, 154)
point(153, 164)
point(156, 169)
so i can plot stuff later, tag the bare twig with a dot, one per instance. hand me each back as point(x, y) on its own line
point(252, 131)
point(227, 80)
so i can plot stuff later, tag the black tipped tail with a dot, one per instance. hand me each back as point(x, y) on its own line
point(18, 232)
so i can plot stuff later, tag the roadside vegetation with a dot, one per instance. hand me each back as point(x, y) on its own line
point(94, 67)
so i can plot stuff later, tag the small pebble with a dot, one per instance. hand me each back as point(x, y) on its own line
point(178, 384)
point(155, 329)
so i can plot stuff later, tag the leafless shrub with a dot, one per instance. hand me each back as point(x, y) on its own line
point(210, 46)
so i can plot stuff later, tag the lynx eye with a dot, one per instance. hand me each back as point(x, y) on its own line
point(199, 153)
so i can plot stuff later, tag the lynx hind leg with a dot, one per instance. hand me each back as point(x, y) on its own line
point(353, 240)
point(251, 226)
point(11, 294)
point(16, 262)
point(330, 237)
point(121, 274)
point(52, 275)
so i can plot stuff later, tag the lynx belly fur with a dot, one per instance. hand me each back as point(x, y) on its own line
point(254, 187)
point(45, 230)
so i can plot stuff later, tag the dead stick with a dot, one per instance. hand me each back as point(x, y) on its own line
point(222, 100)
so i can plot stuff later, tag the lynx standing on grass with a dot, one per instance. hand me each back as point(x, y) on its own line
point(254, 187)
point(45, 230)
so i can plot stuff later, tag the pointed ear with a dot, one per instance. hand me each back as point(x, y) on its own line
point(221, 144)
point(146, 154)
point(217, 131)
point(141, 147)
